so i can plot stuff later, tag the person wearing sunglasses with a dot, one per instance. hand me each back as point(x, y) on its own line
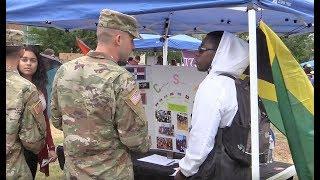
point(215, 103)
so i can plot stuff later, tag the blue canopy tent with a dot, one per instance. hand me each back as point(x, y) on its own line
point(156, 42)
point(308, 62)
point(167, 18)
point(185, 16)
point(179, 17)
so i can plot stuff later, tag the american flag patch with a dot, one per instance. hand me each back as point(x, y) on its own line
point(135, 97)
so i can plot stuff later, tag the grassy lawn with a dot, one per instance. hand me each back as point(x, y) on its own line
point(281, 151)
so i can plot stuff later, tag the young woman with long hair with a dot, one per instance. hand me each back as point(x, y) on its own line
point(32, 68)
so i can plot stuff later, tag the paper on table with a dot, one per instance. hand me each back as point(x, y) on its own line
point(157, 159)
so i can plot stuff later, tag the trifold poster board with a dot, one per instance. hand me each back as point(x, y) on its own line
point(168, 93)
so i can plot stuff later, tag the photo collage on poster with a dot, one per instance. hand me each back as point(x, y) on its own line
point(172, 130)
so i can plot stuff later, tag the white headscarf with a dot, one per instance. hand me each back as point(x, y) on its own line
point(232, 56)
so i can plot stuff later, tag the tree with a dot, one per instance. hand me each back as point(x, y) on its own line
point(301, 46)
point(61, 41)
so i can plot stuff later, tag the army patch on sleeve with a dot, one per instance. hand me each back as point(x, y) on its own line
point(37, 108)
point(135, 97)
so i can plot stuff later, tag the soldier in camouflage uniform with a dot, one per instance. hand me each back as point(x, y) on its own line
point(98, 105)
point(25, 125)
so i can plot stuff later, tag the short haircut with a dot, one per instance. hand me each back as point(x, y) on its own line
point(137, 57)
point(105, 35)
point(214, 38)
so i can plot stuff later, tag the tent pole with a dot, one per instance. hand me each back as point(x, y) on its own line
point(254, 94)
point(165, 51)
point(165, 44)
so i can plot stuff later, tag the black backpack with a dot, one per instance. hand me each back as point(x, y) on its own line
point(231, 156)
point(237, 138)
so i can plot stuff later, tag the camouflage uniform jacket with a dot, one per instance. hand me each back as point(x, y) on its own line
point(25, 124)
point(98, 106)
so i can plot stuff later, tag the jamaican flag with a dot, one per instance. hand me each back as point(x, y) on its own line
point(287, 95)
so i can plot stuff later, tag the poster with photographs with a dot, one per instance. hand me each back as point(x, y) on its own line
point(170, 103)
point(164, 143)
point(181, 142)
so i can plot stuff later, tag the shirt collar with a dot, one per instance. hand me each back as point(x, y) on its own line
point(99, 55)
point(10, 69)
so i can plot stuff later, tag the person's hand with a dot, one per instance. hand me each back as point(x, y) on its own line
point(179, 176)
point(53, 155)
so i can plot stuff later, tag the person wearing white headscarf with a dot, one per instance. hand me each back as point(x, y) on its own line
point(215, 103)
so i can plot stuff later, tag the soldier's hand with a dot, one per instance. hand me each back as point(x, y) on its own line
point(53, 155)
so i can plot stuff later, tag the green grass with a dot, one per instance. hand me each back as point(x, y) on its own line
point(54, 169)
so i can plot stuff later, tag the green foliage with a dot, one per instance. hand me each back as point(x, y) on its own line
point(177, 55)
point(61, 41)
point(301, 46)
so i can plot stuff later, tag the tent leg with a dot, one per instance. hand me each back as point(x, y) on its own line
point(254, 94)
point(165, 51)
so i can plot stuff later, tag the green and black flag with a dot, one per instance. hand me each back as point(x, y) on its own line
point(288, 97)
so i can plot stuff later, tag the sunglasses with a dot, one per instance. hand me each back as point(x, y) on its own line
point(202, 49)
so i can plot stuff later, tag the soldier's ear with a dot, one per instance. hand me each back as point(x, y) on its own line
point(117, 40)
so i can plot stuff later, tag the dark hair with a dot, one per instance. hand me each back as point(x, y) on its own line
point(39, 78)
point(173, 62)
point(137, 57)
point(130, 59)
point(159, 60)
point(13, 50)
point(307, 70)
point(214, 38)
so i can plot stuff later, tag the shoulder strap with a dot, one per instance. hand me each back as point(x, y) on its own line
point(228, 75)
